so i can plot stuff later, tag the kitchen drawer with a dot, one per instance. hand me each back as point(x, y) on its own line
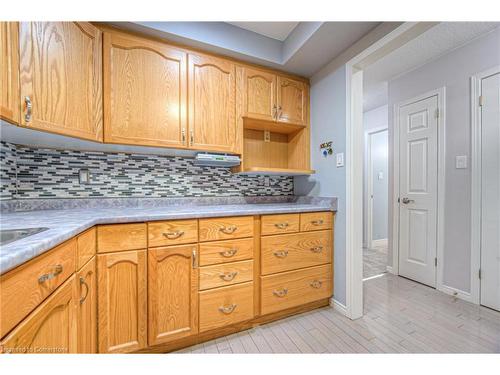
point(224, 306)
point(175, 232)
point(226, 251)
point(224, 228)
point(295, 288)
point(118, 237)
point(86, 245)
point(316, 221)
point(226, 274)
point(293, 251)
point(278, 224)
point(25, 287)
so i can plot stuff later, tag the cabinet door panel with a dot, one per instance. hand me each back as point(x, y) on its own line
point(212, 95)
point(122, 299)
point(173, 289)
point(51, 328)
point(61, 73)
point(292, 101)
point(87, 308)
point(9, 73)
point(145, 92)
point(260, 95)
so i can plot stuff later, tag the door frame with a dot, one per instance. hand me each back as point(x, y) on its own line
point(475, 158)
point(441, 124)
point(369, 182)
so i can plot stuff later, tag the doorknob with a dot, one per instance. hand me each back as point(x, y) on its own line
point(406, 200)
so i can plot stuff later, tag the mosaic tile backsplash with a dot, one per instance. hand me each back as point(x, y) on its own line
point(28, 173)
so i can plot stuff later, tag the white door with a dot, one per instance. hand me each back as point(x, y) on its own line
point(490, 192)
point(418, 150)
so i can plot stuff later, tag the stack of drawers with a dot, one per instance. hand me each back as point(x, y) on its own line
point(226, 271)
point(296, 257)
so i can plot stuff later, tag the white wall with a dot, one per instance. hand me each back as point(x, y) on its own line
point(452, 71)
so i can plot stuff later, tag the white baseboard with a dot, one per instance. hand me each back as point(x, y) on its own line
point(341, 308)
point(455, 292)
point(390, 270)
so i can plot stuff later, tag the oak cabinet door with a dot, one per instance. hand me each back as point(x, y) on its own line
point(122, 301)
point(61, 78)
point(10, 107)
point(172, 293)
point(145, 92)
point(212, 97)
point(260, 95)
point(87, 308)
point(50, 328)
point(292, 101)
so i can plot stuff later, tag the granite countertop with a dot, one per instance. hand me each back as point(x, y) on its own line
point(64, 224)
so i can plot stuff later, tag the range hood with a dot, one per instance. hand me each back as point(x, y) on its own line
point(216, 160)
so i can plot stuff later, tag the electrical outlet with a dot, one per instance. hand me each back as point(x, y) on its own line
point(267, 182)
point(267, 136)
point(84, 176)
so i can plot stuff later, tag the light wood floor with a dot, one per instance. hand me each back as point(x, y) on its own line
point(401, 316)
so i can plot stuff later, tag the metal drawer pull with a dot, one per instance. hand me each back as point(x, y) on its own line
point(228, 230)
point(316, 284)
point(173, 235)
point(228, 276)
point(317, 249)
point(228, 253)
point(227, 309)
point(281, 254)
point(317, 222)
point(48, 276)
point(281, 225)
point(29, 108)
point(280, 293)
point(82, 282)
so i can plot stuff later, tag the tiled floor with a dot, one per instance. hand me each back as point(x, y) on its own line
point(374, 261)
point(401, 316)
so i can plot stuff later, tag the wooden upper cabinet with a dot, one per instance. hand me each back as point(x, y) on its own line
point(172, 293)
point(10, 106)
point(212, 96)
point(50, 328)
point(145, 92)
point(292, 99)
point(122, 301)
point(259, 95)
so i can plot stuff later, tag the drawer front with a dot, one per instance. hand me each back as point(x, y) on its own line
point(295, 288)
point(86, 246)
point(224, 306)
point(226, 228)
point(293, 251)
point(316, 221)
point(226, 274)
point(225, 251)
point(278, 224)
point(26, 287)
point(119, 237)
point(175, 232)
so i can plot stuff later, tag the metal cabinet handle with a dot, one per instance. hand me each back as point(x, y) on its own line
point(29, 108)
point(48, 276)
point(281, 225)
point(228, 230)
point(183, 136)
point(407, 200)
point(227, 309)
point(191, 137)
point(317, 222)
point(173, 235)
point(228, 253)
point(82, 282)
point(281, 254)
point(280, 293)
point(317, 249)
point(195, 260)
point(316, 284)
point(279, 112)
point(274, 113)
point(228, 276)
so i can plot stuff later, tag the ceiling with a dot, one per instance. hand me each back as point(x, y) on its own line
point(275, 30)
point(430, 45)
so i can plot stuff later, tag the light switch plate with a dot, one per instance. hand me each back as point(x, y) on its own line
point(461, 162)
point(340, 159)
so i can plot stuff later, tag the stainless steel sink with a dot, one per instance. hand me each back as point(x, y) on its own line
point(11, 235)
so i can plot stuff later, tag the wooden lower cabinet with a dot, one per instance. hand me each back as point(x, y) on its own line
point(172, 293)
point(86, 280)
point(122, 301)
point(50, 328)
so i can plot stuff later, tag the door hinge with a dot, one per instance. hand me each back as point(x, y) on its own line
point(435, 262)
point(479, 274)
point(399, 200)
point(480, 100)
point(437, 112)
